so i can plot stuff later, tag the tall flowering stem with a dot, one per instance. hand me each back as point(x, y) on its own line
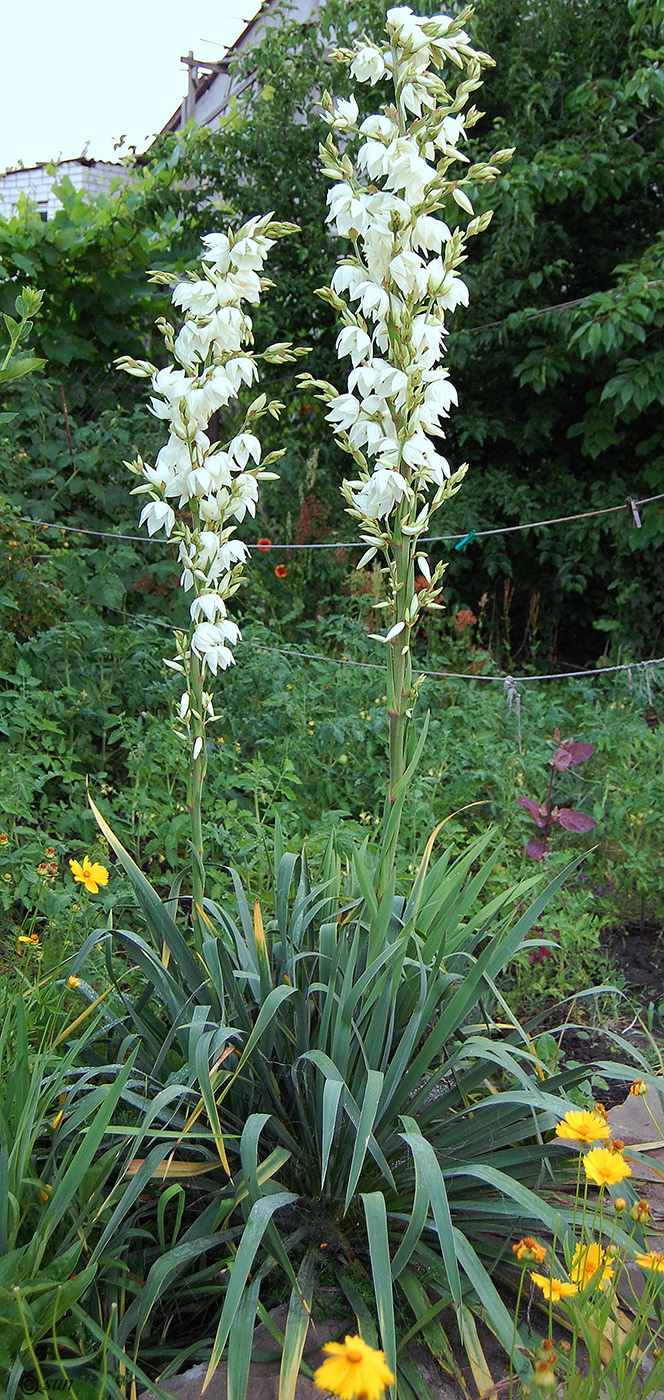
point(198, 490)
point(394, 175)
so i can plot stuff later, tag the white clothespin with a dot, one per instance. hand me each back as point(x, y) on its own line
point(636, 518)
point(513, 698)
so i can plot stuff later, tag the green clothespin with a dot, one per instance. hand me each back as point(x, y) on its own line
point(467, 539)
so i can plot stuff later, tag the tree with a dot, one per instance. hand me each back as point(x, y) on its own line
point(559, 366)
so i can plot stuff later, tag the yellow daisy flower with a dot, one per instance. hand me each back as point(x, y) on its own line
point(353, 1370)
point(652, 1261)
point(580, 1125)
point(554, 1288)
point(605, 1168)
point(587, 1260)
point(88, 874)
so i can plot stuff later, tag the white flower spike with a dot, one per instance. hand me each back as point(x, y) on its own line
point(217, 485)
point(399, 187)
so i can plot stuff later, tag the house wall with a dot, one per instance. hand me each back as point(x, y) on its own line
point(95, 177)
point(215, 95)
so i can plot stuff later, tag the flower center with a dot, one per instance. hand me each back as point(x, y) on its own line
point(354, 1351)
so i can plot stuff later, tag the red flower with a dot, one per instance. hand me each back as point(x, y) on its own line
point(281, 571)
point(264, 544)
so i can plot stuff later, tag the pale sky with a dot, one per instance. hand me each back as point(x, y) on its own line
point(73, 71)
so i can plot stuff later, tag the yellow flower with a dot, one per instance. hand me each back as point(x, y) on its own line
point(88, 874)
point(587, 1261)
point(73, 981)
point(652, 1261)
point(638, 1088)
point(605, 1168)
point(580, 1125)
point(28, 938)
point(529, 1251)
point(554, 1288)
point(57, 1121)
point(45, 1191)
point(620, 1204)
point(353, 1371)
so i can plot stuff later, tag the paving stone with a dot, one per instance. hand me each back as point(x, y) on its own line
point(631, 1122)
point(264, 1376)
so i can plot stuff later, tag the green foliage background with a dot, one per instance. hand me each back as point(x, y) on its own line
point(558, 359)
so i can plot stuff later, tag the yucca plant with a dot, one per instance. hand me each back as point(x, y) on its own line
point(351, 1115)
point(328, 1072)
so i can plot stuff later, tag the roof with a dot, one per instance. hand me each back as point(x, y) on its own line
point(68, 160)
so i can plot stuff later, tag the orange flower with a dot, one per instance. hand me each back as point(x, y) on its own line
point(3, 838)
point(605, 1168)
point(281, 571)
point(264, 544)
point(580, 1125)
point(528, 1251)
point(638, 1088)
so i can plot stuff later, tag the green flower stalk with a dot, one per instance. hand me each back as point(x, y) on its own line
point(216, 484)
point(395, 292)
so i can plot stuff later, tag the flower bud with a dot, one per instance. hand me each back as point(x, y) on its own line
point(528, 1251)
point(544, 1377)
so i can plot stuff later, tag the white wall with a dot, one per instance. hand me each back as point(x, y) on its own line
point(95, 177)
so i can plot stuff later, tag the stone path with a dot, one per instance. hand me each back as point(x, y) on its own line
point(264, 1376)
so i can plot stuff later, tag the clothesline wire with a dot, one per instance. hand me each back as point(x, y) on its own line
point(355, 544)
point(465, 675)
point(540, 311)
point(429, 675)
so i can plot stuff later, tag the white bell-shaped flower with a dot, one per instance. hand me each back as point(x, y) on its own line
point(157, 515)
point(380, 494)
point(369, 65)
